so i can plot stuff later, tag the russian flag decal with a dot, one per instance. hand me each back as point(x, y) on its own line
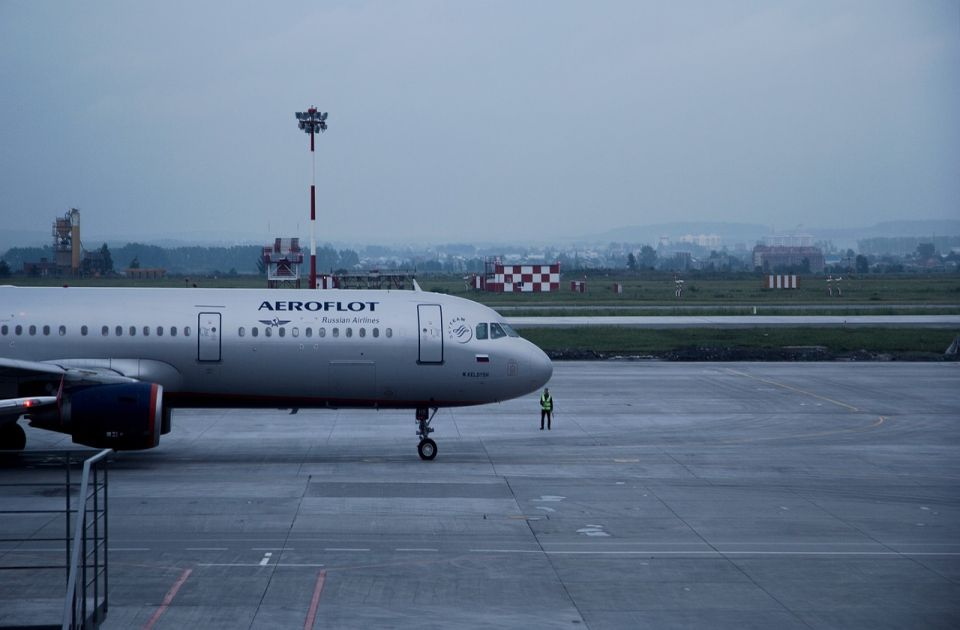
point(483, 358)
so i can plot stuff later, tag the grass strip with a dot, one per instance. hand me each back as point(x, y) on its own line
point(656, 340)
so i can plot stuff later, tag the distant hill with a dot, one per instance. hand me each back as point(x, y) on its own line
point(23, 238)
point(651, 233)
point(749, 232)
point(890, 229)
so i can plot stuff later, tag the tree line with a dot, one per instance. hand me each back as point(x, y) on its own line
point(236, 259)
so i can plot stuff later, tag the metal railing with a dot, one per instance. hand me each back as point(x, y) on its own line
point(84, 539)
point(88, 559)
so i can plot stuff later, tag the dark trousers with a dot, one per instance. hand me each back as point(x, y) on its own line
point(545, 414)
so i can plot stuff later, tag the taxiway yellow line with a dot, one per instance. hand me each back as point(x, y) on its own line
point(794, 389)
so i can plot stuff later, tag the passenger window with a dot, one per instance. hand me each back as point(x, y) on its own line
point(18, 330)
point(186, 331)
point(295, 331)
point(173, 331)
point(4, 330)
point(254, 331)
point(389, 332)
point(133, 331)
point(62, 330)
point(496, 332)
point(349, 332)
point(363, 332)
point(282, 332)
point(83, 331)
point(376, 333)
point(267, 332)
point(46, 331)
point(104, 330)
point(336, 332)
point(481, 331)
point(33, 330)
point(119, 331)
point(241, 332)
point(146, 331)
point(308, 332)
point(159, 331)
point(321, 332)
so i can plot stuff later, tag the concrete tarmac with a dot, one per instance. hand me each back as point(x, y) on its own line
point(666, 495)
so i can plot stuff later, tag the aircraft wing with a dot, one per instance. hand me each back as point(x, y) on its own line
point(11, 406)
point(47, 380)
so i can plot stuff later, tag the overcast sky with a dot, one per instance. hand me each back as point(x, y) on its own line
point(466, 121)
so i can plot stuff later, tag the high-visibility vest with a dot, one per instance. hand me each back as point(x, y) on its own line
point(546, 402)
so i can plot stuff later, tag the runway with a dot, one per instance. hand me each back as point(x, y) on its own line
point(740, 321)
point(666, 495)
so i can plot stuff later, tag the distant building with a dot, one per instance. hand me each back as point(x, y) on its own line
point(710, 241)
point(139, 273)
point(779, 258)
point(282, 262)
point(789, 240)
point(500, 278)
point(96, 264)
point(67, 251)
point(43, 268)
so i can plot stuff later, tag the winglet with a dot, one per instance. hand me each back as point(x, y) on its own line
point(416, 286)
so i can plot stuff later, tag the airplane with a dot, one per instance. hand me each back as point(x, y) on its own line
point(107, 365)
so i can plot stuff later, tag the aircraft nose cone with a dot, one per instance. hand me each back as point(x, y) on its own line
point(541, 368)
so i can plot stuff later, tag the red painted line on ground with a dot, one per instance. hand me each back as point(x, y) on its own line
point(168, 598)
point(312, 613)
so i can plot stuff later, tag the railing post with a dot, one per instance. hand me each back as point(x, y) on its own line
point(82, 591)
point(70, 607)
point(96, 540)
point(106, 541)
point(66, 536)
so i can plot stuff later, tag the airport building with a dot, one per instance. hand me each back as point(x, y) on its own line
point(282, 263)
point(784, 258)
point(500, 278)
point(70, 259)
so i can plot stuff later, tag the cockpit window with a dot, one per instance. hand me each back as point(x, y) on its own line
point(481, 331)
point(510, 331)
point(496, 332)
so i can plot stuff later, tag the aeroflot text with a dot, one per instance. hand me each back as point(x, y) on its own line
point(318, 306)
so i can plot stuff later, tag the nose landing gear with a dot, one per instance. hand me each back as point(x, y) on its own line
point(427, 448)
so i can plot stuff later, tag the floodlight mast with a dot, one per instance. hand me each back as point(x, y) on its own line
point(312, 121)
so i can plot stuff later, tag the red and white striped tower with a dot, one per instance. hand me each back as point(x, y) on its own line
point(312, 121)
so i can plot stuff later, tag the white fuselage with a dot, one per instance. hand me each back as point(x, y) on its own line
point(295, 348)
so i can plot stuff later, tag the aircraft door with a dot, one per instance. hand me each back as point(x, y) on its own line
point(431, 333)
point(208, 337)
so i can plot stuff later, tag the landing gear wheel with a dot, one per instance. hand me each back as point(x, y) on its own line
point(14, 438)
point(427, 449)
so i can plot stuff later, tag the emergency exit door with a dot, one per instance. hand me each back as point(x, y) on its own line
point(208, 337)
point(431, 333)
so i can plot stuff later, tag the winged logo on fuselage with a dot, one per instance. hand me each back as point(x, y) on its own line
point(274, 322)
point(459, 331)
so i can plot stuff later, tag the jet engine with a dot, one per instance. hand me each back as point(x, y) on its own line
point(124, 416)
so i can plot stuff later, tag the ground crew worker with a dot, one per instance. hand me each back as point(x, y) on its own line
point(546, 408)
